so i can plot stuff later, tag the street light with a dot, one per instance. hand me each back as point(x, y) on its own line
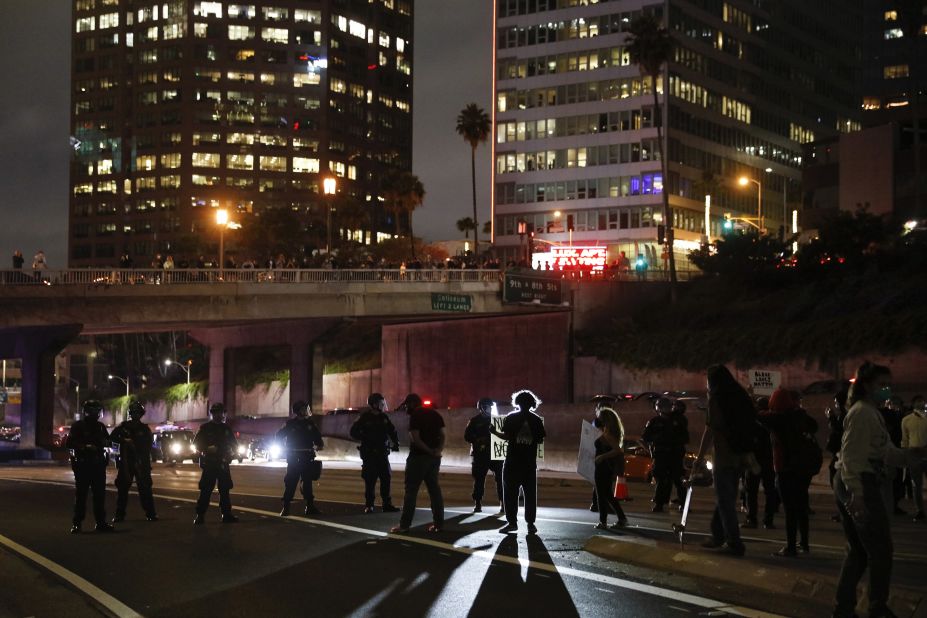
point(77, 391)
point(743, 181)
point(329, 186)
point(186, 367)
point(222, 220)
point(123, 380)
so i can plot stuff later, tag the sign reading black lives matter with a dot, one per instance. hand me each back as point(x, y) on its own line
point(498, 446)
point(521, 289)
point(451, 302)
point(764, 382)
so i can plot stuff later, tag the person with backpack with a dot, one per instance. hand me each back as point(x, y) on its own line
point(796, 459)
point(730, 433)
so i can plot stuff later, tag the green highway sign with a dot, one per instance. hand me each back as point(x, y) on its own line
point(522, 289)
point(462, 303)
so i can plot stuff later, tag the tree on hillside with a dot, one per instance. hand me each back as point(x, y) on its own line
point(474, 126)
point(740, 254)
point(649, 44)
point(403, 192)
point(465, 225)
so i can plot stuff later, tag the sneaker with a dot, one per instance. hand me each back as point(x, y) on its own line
point(311, 510)
point(601, 526)
point(621, 523)
point(398, 529)
point(389, 508)
point(151, 517)
point(919, 516)
point(229, 519)
point(477, 508)
point(103, 527)
point(786, 552)
point(532, 529)
point(433, 527)
point(285, 511)
point(199, 520)
point(804, 548)
point(118, 518)
point(594, 508)
point(508, 528)
point(75, 529)
point(657, 508)
point(711, 543)
point(368, 509)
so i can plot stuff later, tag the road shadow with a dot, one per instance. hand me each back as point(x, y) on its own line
point(505, 591)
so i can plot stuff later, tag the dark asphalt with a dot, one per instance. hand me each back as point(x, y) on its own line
point(342, 563)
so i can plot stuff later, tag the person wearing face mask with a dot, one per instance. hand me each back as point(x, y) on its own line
point(863, 489)
point(600, 401)
point(609, 465)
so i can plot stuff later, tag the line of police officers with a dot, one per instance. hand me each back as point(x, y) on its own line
point(217, 446)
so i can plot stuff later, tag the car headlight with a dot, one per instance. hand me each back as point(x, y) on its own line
point(192, 448)
point(709, 465)
point(241, 450)
point(175, 448)
point(274, 450)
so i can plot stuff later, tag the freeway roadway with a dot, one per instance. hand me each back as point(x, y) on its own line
point(345, 563)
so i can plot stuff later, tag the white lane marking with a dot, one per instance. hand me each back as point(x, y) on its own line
point(605, 590)
point(617, 582)
point(114, 605)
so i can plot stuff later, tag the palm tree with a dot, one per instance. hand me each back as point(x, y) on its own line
point(351, 214)
point(465, 225)
point(487, 228)
point(403, 192)
point(649, 44)
point(474, 125)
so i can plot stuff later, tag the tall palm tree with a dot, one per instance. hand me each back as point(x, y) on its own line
point(474, 126)
point(403, 192)
point(649, 44)
point(351, 214)
point(465, 225)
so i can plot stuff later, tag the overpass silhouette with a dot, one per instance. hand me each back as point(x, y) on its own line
point(41, 313)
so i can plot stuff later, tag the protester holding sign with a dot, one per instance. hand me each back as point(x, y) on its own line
point(609, 465)
point(523, 431)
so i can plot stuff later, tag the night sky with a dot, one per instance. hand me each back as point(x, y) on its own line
point(452, 68)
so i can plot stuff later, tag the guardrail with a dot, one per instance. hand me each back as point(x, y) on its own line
point(115, 276)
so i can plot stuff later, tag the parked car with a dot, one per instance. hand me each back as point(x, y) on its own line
point(174, 446)
point(638, 462)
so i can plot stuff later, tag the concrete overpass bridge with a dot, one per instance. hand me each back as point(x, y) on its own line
point(447, 329)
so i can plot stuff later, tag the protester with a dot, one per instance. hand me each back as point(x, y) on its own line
point(796, 459)
point(609, 465)
point(729, 433)
point(891, 415)
point(914, 436)
point(863, 489)
point(427, 437)
point(766, 477)
point(836, 414)
point(523, 431)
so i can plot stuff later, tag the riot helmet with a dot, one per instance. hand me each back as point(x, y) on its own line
point(92, 409)
point(136, 409)
point(300, 408)
point(411, 403)
point(485, 405)
point(377, 401)
point(663, 405)
point(217, 411)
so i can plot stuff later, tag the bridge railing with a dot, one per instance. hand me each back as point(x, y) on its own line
point(115, 276)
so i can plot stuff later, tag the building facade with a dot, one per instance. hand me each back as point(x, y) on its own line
point(183, 107)
point(576, 154)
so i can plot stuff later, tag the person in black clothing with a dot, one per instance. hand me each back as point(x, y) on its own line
point(477, 434)
point(682, 423)
point(377, 437)
point(766, 476)
point(600, 401)
point(18, 260)
point(667, 438)
point(427, 438)
point(609, 464)
point(892, 414)
point(788, 423)
point(215, 442)
point(523, 431)
point(835, 417)
point(87, 442)
point(300, 439)
point(133, 462)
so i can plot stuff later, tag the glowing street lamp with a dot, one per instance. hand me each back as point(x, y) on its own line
point(123, 380)
point(186, 367)
point(743, 181)
point(329, 186)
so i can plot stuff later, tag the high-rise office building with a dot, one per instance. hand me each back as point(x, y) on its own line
point(181, 107)
point(576, 158)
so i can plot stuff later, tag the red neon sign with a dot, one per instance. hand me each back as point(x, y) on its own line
point(578, 258)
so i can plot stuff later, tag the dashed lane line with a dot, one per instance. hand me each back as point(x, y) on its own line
point(109, 602)
point(546, 567)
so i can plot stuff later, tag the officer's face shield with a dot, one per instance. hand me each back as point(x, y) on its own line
point(663, 406)
point(382, 405)
point(217, 415)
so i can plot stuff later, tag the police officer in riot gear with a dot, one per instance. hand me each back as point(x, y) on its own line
point(300, 438)
point(377, 436)
point(134, 462)
point(216, 444)
point(87, 442)
point(667, 439)
point(477, 434)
